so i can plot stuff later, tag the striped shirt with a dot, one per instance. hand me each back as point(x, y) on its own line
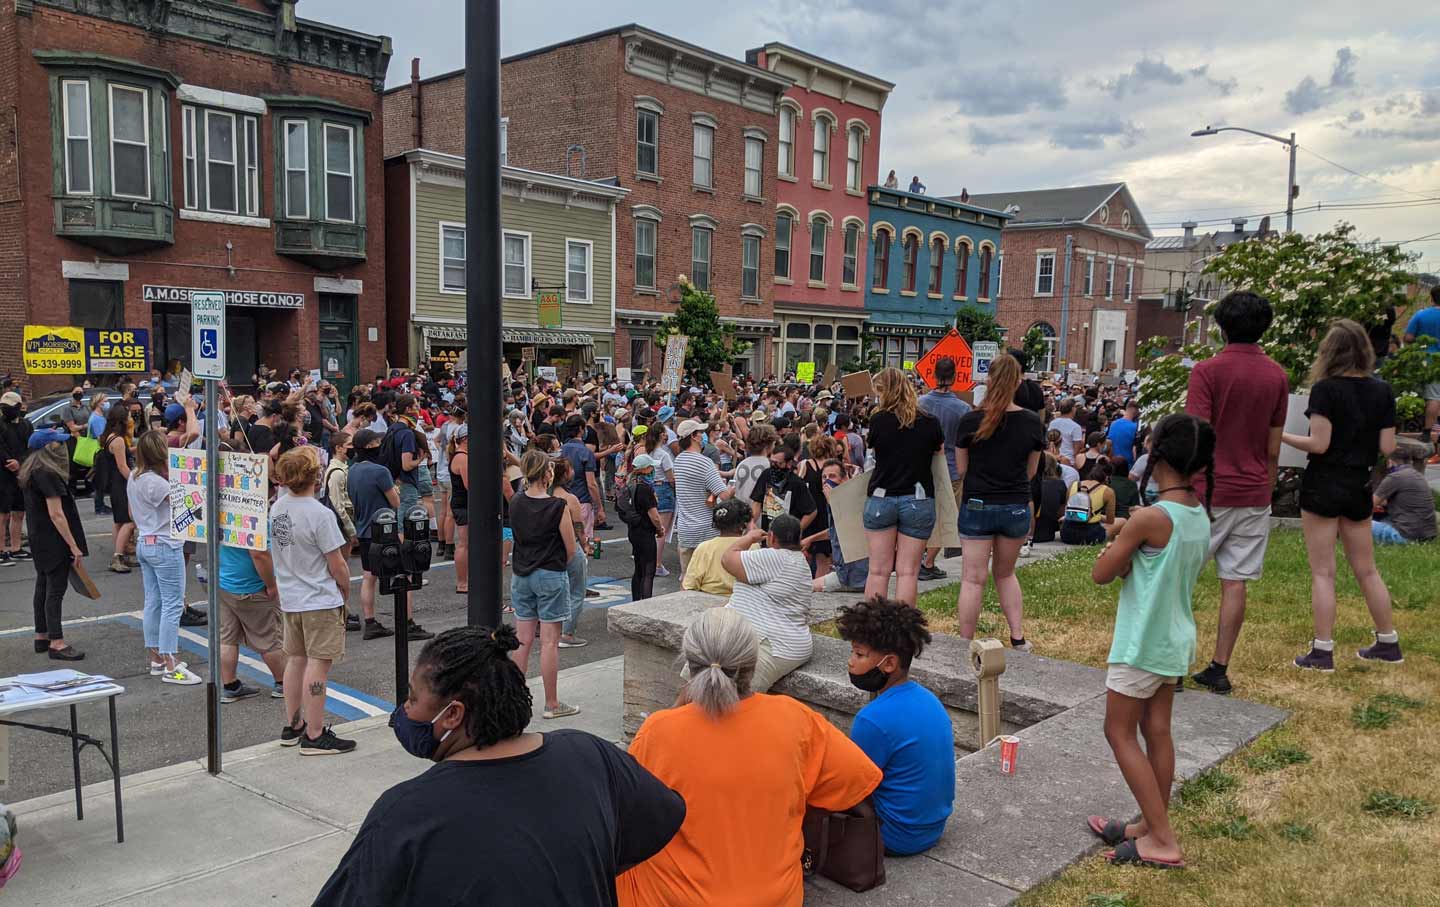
point(775, 598)
point(696, 478)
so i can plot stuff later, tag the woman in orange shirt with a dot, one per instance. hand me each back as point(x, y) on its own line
point(747, 765)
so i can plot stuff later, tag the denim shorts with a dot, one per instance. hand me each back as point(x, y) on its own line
point(409, 498)
point(544, 595)
point(422, 478)
point(665, 497)
point(915, 518)
point(985, 521)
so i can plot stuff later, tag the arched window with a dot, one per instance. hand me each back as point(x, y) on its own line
point(880, 279)
point(787, 141)
point(1047, 363)
point(818, 227)
point(850, 262)
point(937, 264)
point(962, 268)
point(983, 291)
point(820, 168)
point(854, 142)
point(784, 224)
point(912, 252)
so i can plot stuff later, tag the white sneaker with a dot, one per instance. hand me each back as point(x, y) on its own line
point(182, 676)
point(158, 667)
point(661, 571)
point(1025, 549)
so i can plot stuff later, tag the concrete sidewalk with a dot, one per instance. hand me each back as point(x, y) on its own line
point(268, 830)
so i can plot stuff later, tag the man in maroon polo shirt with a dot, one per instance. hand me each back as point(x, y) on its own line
point(1244, 394)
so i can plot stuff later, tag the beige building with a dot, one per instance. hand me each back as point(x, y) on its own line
point(1175, 278)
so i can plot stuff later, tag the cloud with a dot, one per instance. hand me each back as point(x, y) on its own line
point(1001, 92)
point(1412, 134)
point(1430, 104)
point(1355, 116)
point(1147, 72)
point(982, 139)
point(1092, 135)
point(1311, 95)
point(1394, 104)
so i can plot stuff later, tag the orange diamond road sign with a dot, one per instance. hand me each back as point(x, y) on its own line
point(951, 346)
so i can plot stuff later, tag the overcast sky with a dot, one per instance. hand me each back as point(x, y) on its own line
point(1030, 95)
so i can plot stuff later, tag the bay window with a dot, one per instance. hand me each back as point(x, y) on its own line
point(339, 173)
point(79, 166)
point(130, 141)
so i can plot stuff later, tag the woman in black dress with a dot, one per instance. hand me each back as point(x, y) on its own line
point(57, 539)
point(116, 458)
point(1352, 422)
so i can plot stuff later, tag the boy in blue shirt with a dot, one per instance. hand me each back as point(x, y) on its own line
point(904, 730)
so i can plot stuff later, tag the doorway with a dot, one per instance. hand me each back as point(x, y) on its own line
point(339, 341)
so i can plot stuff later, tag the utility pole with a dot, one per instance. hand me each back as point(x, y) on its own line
point(482, 306)
point(1065, 299)
point(1291, 190)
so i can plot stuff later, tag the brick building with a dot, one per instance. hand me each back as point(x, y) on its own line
point(205, 144)
point(827, 153)
point(1073, 265)
point(690, 132)
point(1176, 289)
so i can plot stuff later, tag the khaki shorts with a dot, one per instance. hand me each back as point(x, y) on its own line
point(1128, 680)
point(315, 634)
point(769, 668)
point(1238, 537)
point(252, 620)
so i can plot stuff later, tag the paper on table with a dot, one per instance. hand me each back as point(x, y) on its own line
point(43, 678)
point(16, 695)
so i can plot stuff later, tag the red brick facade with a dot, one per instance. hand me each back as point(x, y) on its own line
point(224, 256)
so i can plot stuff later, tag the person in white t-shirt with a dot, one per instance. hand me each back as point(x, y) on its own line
point(772, 590)
point(758, 444)
point(1072, 435)
point(314, 583)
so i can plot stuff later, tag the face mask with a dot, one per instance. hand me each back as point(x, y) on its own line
point(648, 478)
point(366, 455)
point(872, 681)
point(417, 737)
point(10, 412)
point(705, 437)
point(831, 483)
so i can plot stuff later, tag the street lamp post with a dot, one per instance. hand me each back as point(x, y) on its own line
point(1290, 187)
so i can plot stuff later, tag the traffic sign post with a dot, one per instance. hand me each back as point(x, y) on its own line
point(985, 352)
point(951, 346)
point(207, 361)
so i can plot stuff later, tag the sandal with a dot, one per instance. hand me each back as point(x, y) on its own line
point(507, 610)
point(1111, 831)
point(1128, 854)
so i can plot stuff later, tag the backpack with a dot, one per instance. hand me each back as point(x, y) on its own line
point(390, 449)
point(1079, 508)
point(330, 503)
point(625, 504)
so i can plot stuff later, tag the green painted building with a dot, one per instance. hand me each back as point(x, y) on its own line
point(558, 253)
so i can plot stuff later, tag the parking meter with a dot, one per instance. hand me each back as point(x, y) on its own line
point(415, 551)
point(384, 553)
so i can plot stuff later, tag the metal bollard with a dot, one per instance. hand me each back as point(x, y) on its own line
point(987, 657)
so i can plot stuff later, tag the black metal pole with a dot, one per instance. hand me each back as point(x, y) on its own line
point(402, 646)
point(482, 304)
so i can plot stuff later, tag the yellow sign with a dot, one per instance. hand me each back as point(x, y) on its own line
point(805, 372)
point(909, 365)
point(54, 350)
point(120, 352)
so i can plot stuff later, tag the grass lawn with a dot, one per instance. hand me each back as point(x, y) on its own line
point(1336, 806)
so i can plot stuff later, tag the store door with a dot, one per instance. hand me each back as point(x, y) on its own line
point(339, 341)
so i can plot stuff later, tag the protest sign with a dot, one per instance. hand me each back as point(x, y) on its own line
point(723, 385)
point(674, 362)
point(805, 372)
point(829, 378)
point(244, 491)
point(847, 509)
point(1296, 423)
point(856, 385)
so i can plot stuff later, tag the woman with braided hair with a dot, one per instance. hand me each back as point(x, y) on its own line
point(504, 817)
point(1159, 553)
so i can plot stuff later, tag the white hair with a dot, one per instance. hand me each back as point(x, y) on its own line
point(720, 647)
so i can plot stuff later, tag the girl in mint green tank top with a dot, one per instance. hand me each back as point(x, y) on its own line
point(1159, 554)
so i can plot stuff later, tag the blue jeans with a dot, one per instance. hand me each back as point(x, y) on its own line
point(409, 498)
point(576, 572)
point(544, 595)
point(850, 574)
point(979, 520)
point(162, 568)
point(1386, 534)
point(915, 518)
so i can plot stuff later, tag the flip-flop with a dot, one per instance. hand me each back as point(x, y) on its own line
point(1128, 854)
point(1111, 831)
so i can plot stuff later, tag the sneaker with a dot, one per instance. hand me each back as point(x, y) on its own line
point(21, 554)
point(158, 667)
point(414, 631)
point(352, 623)
point(6, 560)
point(376, 630)
point(661, 571)
point(561, 710)
point(1382, 651)
point(932, 572)
point(1024, 646)
point(104, 511)
point(181, 675)
point(1216, 681)
point(1027, 549)
point(327, 744)
point(1316, 660)
point(193, 617)
point(117, 564)
point(291, 735)
point(573, 642)
point(603, 525)
point(243, 691)
point(277, 691)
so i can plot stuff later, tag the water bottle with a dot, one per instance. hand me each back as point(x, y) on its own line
point(595, 549)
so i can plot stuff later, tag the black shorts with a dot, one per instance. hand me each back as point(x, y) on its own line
point(364, 546)
point(461, 515)
point(821, 547)
point(12, 498)
point(119, 499)
point(1332, 493)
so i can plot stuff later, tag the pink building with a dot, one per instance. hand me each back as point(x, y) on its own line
point(829, 153)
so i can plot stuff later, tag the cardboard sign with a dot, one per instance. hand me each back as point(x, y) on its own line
point(723, 385)
point(856, 385)
point(1296, 423)
point(674, 363)
point(805, 372)
point(244, 491)
point(829, 378)
point(951, 346)
point(847, 507)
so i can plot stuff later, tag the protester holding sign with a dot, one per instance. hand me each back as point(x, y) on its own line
point(162, 559)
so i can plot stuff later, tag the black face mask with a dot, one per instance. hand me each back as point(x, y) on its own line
point(10, 412)
point(872, 681)
point(366, 454)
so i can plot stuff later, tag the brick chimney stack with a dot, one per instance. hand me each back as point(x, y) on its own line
point(417, 123)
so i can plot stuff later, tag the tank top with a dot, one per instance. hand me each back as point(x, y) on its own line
point(1154, 624)
point(535, 523)
point(459, 494)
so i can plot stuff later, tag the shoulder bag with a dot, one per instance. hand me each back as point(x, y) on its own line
point(845, 846)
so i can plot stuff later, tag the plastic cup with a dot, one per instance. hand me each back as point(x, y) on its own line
point(1009, 752)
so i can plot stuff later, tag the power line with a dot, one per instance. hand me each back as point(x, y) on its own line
point(1363, 175)
point(1318, 206)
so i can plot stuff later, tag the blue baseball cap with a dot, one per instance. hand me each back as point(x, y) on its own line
point(666, 413)
point(45, 436)
point(174, 413)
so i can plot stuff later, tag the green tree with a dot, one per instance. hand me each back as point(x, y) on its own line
point(976, 324)
point(1033, 345)
point(712, 343)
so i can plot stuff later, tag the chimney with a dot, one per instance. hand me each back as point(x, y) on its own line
point(1189, 226)
point(1239, 223)
point(417, 122)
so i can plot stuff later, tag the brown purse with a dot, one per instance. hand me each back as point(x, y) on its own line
point(844, 847)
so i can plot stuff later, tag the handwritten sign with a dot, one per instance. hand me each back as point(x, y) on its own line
point(805, 372)
point(674, 362)
point(244, 490)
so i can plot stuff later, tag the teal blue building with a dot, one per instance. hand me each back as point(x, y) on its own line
point(929, 257)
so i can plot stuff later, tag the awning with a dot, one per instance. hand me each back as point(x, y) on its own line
point(546, 338)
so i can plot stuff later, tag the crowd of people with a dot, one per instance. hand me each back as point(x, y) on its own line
point(741, 484)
